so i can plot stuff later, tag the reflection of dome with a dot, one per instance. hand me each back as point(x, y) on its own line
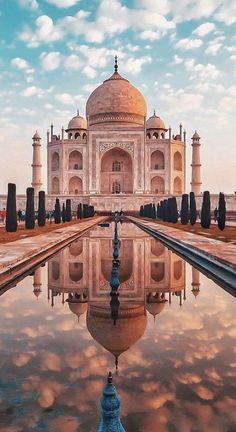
point(155, 122)
point(77, 122)
point(155, 308)
point(78, 308)
point(116, 100)
point(196, 291)
point(130, 326)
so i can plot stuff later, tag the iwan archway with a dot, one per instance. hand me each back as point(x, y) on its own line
point(116, 176)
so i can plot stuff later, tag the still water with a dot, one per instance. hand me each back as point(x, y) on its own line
point(173, 344)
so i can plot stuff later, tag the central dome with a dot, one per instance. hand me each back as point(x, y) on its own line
point(116, 101)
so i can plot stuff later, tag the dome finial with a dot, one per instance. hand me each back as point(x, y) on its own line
point(154, 113)
point(109, 378)
point(78, 112)
point(116, 64)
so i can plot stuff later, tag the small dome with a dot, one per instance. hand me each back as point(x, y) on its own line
point(36, 135)
point(155, 308)
point(78, 308)
point(77, 122)
point(116, 101)
point(155, 122)
point(195, 135)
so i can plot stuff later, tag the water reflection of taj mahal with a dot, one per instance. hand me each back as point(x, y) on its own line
point(151, 276)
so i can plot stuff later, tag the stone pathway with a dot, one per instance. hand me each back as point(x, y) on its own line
point(224, 252)
point(16, 253)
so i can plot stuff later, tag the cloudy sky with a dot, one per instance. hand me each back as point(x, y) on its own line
point(181, 55)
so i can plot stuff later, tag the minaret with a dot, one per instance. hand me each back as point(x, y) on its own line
point(196, 165)
point(37, 282)
point(36, 165)
point(110, 409)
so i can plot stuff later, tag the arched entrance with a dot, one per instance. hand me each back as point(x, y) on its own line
point(177, 186)
point(75, 160)
point(157, 185)
point(157, 160)
point(55, 185)
point(75, 186)
point(177, 161)
point(116, 172)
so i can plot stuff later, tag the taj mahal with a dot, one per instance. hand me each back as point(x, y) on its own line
point(116, 157)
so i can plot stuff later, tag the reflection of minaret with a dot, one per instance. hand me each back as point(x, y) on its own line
point(195, 282)
point(110, 409)
point(36, 165)
point(37, 282)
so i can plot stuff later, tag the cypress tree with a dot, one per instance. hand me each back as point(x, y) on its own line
point(11, 215)
point(141, 211)
point(169, 210)
point(221, 212)
point(165, 211)
point(161, 210)
point(78, 212)
point(184, 210)
point(41, 209)
point(63, 213)
point(68, 210)
point(193, 210)
point(206, 210)
point(57, 212)
point(158, 211)
point(174, 210)
point(154, 214)
point(30, 214)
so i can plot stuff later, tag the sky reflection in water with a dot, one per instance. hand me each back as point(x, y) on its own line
point(177, 372)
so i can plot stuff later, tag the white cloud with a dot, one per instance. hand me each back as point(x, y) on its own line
point(65, 98)
point(150, 35)
point(204, 29)
point(45, 32)
point(63, 3)
point(50, 61)
point(20, 63)
point(188, 43)
point(31, 91)
point(89, 71)
point(111, 18)
point(177, 59)
point(73, 62)
point(134, 65)
point(213, 48)
point(227, 12)
point(200, 71)
point(29, 4)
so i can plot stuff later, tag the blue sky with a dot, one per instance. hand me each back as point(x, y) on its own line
point(181, 55)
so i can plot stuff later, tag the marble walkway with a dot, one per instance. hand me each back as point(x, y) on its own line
point(221, 251)
point(21, 251)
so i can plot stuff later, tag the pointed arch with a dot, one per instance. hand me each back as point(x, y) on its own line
point(55, 161)
point(157, 185)
point(177, 186)
point(75, 186)
point(75, 160)
point(157, 160)
point(55, 185)
point(178, 161)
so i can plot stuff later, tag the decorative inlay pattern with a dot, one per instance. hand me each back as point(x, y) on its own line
point(126, 145)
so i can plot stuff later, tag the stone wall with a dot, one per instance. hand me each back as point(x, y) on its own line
point(116, 202)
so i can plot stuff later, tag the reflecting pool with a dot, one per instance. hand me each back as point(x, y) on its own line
point(172, 350)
